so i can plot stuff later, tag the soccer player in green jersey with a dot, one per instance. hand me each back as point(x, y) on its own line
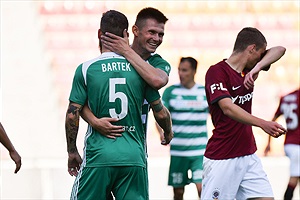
point(188, 106)
point(148, 33)
point(112, 88)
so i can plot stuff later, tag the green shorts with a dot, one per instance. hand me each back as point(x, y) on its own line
point(179, 168)
point(126, 183)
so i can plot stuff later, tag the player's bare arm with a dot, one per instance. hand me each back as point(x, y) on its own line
point(4, 139)
point(155, 77)
point(163, 118)
point(272, 55)
point(235, 112)
point(72, 126)
point(102, 125)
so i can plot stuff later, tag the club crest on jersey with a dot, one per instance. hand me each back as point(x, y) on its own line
point(217, 86)
point(216, 194)
point(167, 68)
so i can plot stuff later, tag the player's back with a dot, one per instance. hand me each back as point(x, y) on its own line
point(115, 89)
point(289, 107)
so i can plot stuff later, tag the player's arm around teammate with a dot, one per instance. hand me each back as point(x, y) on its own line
point(105, 127)
point(155, 77)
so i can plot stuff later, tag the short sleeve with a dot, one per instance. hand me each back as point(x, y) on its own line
point(166, 97)
point(151, 94)
point(79, 89)
point(216, 84)
point(158, 62)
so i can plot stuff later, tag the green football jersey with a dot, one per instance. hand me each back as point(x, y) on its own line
point(158, 62)
point(113, 88)
point(189, 112)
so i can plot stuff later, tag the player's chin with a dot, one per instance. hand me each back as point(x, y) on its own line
point(152, 48)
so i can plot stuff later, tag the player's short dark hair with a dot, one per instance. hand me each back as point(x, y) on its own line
point(248, 36)
point(191, 60)
point(114, 22)
point(150, 13)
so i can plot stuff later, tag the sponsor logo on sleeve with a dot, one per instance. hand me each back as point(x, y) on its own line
point(217, 86)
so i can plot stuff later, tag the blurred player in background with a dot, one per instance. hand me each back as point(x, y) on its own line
point(231, 169)
point(289, 106)
point(189, 110)
point(14, 155)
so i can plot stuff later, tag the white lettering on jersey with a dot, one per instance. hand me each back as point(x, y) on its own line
point(115, 66)
point(129, 128)
point(242, 99)
point(289, 112)
point(217, 86)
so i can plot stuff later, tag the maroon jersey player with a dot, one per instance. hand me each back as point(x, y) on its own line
point(289, 107)
point(230, 153)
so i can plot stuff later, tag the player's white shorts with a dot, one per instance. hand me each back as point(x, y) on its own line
point(293, 152)
point(236, 178)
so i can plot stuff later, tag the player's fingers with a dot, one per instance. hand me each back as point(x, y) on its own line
point(18, 166)
point(117, 129)
point(111, 136)
point(118, 135)
point(107, 39)
point(112, 119)
point(112, 36)
point(107, 45)
point(72, 171)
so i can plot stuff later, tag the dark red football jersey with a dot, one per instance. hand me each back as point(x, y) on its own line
point(230, 138)
point(289, 107)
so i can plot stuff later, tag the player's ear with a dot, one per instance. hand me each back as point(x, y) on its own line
point(251, 48)
point(135, 30)
point(125, 33)
point(99, 34)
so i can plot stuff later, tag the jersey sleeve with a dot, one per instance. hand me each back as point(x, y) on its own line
point(166, 97)
point(158, 62)
point(151, 94)
point(79, 89)
point(216, 84)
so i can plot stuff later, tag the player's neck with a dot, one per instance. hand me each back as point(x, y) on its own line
point(189, 85)
point(236, 63)
point(103, 49)
point(140, 51)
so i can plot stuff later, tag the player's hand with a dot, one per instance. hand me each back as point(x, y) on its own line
point(17, 159)
point(105, 127)
point(74, 163)
point(250, 79)
point(273, 128)
point(167, 138)
point(116, 43)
